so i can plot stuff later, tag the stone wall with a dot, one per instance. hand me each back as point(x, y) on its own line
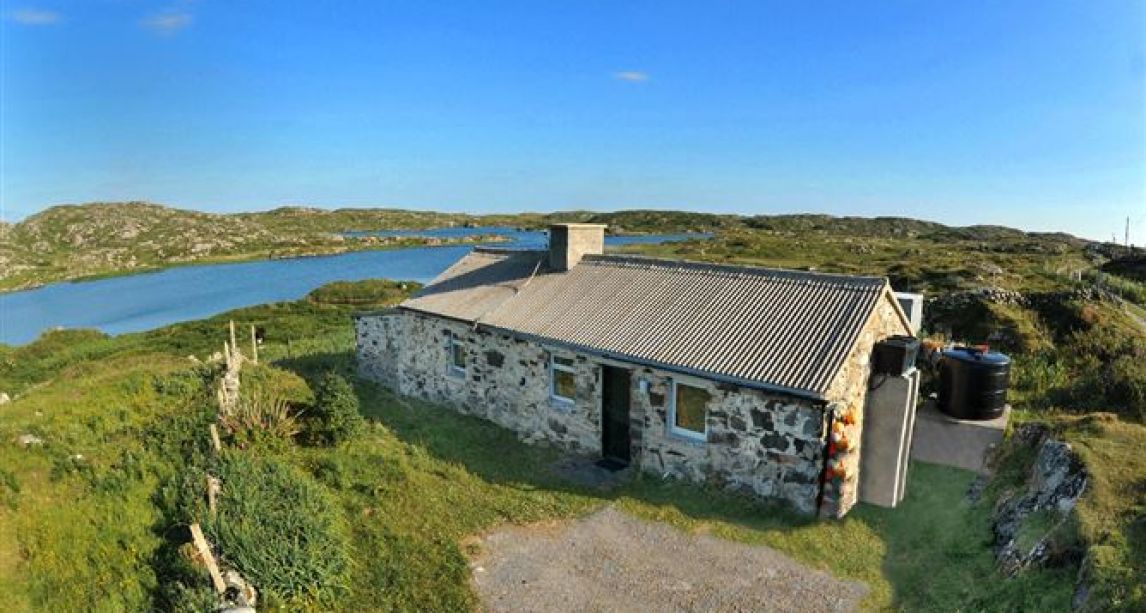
point(506, 380)
point(848, 395)
point(768, 445)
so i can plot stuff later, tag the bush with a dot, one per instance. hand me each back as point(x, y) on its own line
point(267, 409)
point(1127, 387)
point(261, 417)
point(280, 528)
point(369, 292)
point(264, 379)
point(336, 415)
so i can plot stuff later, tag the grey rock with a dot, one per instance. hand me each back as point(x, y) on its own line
point(1057, 480)
point(762, 419)
point(239, 593)
point(27, 440)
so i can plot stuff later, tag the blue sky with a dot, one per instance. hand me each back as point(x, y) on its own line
point(1024, 114)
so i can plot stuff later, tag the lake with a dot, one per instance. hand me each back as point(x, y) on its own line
point(151, 300)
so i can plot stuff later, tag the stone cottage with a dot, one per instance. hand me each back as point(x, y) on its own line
point(750, 378)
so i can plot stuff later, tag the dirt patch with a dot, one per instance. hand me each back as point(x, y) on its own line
point(611, 561)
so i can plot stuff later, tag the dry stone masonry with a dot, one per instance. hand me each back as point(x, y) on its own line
point(769, 445)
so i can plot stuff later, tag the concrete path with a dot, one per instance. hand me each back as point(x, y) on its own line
point(611, 561)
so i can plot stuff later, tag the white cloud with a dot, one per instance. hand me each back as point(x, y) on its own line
point(35, 17)
point(168, 22)
point(631, 76)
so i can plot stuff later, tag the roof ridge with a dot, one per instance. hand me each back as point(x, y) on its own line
point(728, 268)
point(506, 250)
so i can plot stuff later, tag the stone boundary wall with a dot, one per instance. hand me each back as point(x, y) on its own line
point(960, 300)
point(768, 445)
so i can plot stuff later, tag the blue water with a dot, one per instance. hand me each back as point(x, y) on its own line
point(146, 301)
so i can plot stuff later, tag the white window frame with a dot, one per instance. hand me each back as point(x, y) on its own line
point(553, 368)
point(700, 437)
point(454, 344)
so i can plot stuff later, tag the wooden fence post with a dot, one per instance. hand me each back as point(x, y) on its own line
point(214, 486)
point(234, 343)
point(208, 558)
point(254, 346)
point(215, 442)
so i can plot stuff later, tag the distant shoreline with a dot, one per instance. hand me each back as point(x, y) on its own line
point(403, 243)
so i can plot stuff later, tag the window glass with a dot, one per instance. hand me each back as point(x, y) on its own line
point(457, 354)
point(690, 403)
point(564, 384)
point(564, 381)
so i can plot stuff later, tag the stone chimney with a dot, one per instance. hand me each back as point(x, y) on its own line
point(568, 242)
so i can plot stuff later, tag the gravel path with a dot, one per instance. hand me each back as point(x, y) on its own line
point(611, 561)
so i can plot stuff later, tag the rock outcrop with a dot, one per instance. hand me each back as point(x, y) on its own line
point(1057, 480)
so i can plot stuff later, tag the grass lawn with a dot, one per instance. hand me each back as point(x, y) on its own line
point(94, 531)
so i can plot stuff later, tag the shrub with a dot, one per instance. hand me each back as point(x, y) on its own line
point(336, 415)
point(261, 416)
point(260, 378)
point(1127, 387)
point(267, 407)
point(369, 292)
point(280, 528)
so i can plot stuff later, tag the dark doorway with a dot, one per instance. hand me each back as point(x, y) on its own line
point(615, 414)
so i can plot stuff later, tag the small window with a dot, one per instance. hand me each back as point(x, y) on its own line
point(687, 411)
point(562, 378)
point(457, 356)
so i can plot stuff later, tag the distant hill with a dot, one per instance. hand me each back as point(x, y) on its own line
point(76, 241)
point(67, 242)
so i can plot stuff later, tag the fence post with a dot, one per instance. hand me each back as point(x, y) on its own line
point(215, 442)
point(208, 558)
point(254, 346)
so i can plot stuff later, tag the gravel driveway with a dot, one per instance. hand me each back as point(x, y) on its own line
point(610, 561)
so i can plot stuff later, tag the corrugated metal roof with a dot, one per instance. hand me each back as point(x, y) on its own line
point(782, 329)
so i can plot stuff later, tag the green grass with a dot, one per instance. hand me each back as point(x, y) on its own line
point(80, 529)
point(282, 528)
point(1036, 526)
point(362, 294)
point(1112, 515)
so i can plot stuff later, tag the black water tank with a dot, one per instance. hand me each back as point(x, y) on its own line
point(895, 355)
point(973, 383)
